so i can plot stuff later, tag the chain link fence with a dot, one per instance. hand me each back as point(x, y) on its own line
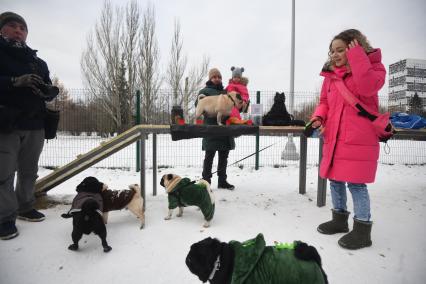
point(85, 123)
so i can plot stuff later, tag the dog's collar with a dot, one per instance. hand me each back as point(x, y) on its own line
point(216, 267)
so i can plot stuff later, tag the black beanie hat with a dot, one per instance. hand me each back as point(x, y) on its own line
point(10, 16)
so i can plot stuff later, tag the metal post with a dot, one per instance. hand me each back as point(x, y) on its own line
point(143, 168)
point(322, 183)
point(290, 152)
point(138, 121)
point(154, 164)
point(257, 136)
point(302, 164)
point(292, 56)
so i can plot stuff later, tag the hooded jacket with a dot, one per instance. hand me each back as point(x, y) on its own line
point(242, 90)
point(351, 147)
point(255, 263)
point(16, 62)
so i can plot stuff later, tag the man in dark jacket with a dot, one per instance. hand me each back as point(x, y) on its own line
point(23, 80)
point(222, 145)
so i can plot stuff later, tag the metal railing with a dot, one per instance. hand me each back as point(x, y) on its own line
point(84, 125)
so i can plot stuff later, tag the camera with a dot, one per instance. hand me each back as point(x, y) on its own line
point(48, 92)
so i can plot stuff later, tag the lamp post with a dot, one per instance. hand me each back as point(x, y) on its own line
point(290, 152)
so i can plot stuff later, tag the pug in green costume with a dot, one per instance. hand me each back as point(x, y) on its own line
point(183, 192)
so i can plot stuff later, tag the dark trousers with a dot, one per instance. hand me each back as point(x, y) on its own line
point(221, 166)
point(19, 152)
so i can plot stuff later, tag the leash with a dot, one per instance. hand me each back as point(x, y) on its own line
point(229, 96)
point(246, 157)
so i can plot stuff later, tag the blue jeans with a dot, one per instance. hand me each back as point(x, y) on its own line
point(360, 198)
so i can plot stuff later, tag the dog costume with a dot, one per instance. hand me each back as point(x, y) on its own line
point(116, 199)
point(184, 192)
point(82, 197)
point(89, 188)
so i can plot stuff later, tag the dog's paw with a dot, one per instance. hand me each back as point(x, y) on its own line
point(142, 226)
point(167, 217)
point(73, 247)
point(107, 248)
point(206, 225)
point(179, 214)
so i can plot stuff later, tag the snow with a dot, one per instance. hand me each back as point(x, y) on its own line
point(265, 201)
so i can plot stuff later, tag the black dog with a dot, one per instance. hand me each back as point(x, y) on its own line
point(278, 115)
point(252, 261)
point(86, 211)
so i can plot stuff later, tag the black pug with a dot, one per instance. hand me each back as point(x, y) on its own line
point(86, 211)
point(278, 115)
point(254, 262)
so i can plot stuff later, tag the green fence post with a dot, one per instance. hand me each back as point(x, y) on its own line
point(138, 121)
point(257, 136)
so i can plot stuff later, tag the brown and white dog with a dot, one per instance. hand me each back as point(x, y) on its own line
point(130, 199)
point(184, 192)
point(219, 106)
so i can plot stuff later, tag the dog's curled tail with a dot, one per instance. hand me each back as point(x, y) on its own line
point(306, 252)
point(135, 187)
point(201, 96)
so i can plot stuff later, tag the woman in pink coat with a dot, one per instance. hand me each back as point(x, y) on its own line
point(351, 147)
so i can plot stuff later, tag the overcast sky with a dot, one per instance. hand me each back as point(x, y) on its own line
point(254, 34)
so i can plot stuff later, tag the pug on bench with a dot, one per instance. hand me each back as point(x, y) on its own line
point(219, 106)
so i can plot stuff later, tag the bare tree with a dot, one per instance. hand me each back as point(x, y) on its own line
point(111, 50)
point(148, 66)
point(177, 65)
point(184, 90)
point(63, 100)
point(193, 83)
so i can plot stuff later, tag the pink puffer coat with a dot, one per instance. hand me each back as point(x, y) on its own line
point(351, 147)
point(242, 90)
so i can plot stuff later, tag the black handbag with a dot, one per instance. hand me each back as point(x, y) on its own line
point(51, 122)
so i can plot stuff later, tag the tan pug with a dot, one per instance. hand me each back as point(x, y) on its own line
point(219, 106)
point(127, 198)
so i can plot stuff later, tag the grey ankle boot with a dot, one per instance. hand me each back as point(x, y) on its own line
point(338, 224)
point(359, 237)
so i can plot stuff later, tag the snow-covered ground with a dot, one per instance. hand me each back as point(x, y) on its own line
point(265, 201)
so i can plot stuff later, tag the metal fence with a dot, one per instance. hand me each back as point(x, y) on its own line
point(84, 125)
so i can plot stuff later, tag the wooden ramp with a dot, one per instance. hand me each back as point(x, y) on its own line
point(85, 161)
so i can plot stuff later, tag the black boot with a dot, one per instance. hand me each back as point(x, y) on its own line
point(359, 237)
point(224, 184)
point(339, 224)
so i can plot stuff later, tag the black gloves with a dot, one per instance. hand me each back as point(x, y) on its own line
point(31, 81)
point(37, 86)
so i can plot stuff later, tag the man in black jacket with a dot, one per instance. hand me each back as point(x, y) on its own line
point(23, 81)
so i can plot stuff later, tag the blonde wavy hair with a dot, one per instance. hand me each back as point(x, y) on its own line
point(347, 36)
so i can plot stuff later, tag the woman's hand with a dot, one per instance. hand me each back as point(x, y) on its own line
point(316, 121)
point(352, 44)
point(317, 124)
